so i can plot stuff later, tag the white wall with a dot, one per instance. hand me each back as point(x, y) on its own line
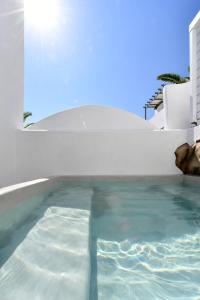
point(11, 85)
point(101, 149)
point(196, 133)
point(177, 106)
point(158, 119)
point(114, 152)
point(195, 65)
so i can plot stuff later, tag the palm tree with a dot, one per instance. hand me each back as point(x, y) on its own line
point(26, 115)
point(173, 78)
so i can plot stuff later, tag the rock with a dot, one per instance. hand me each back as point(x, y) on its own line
point(197, 149)
point(188, 158)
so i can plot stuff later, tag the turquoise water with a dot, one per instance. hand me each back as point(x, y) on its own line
point(144, 242)
point(146, 236)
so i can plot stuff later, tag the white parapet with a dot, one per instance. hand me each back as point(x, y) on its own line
point(119, 152)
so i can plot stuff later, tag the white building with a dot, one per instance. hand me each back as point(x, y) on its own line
point(181, 102)
point(92, 140)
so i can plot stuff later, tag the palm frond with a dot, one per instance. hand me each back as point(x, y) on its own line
point(28, 125)
point(172, 78)
point(169, 77)
point(26, 115)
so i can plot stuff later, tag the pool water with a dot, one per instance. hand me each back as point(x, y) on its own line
point(144, 242)
point(147, 241)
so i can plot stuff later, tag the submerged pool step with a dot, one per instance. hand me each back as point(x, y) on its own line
point(53, 261)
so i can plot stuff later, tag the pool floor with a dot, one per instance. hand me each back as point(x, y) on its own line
point(107, 240)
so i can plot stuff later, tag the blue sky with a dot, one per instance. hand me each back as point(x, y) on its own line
point(106, 52)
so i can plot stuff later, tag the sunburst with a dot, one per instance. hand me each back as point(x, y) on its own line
point(42, 15)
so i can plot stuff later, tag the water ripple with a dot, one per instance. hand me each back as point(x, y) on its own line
point(155, 270)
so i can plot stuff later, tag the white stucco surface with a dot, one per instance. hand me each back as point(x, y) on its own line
point(92, 117)
point(11, 85)
point(196, 131)
point(158, 119)
point(177, 106)
point(120, 152)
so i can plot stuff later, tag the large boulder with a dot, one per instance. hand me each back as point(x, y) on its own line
point(188, 158)
point(197, 149)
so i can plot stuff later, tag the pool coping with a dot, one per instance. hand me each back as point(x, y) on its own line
point(12, 195)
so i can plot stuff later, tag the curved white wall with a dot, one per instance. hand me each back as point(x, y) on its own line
point(177, 106)
point(92, 117)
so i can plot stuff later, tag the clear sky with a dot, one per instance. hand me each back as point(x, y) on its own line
point(105, 52)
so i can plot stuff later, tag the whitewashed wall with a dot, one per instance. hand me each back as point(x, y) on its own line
point(177, 106)
point(158, 119)
point(96, 140)
point(11, 85)
point(196, 133)
point(111, 152)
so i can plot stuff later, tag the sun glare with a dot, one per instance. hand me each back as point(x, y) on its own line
point(43, 15)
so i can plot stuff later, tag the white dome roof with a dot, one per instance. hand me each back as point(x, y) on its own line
point(92, 117)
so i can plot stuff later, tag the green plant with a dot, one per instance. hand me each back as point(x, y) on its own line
point(173, 78)
point(26, 115)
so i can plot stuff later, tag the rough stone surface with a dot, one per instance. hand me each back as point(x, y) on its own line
point(188, 158)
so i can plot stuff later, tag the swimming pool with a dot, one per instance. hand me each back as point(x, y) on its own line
point(135, 238)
